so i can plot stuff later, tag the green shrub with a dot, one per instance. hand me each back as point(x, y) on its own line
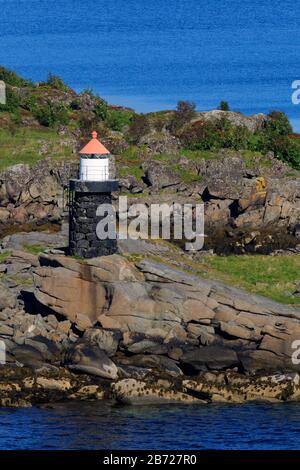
point(201, 135)
point(29, 103)
point(275, 137)
point(88, 91)
point(118, 119)
point(230, 136)
point(278, 124)
point(100, 109)
point(52, 114)
point(257, 142)
point(16, 117)
point(293, 154)
point(198, 136)
point(13, 101)
point(54, 81)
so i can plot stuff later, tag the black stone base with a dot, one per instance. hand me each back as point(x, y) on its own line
point(80, 186)
point(83, 240)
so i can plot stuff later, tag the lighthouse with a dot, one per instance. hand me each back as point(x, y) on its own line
point(94, 161)
point(93, 188)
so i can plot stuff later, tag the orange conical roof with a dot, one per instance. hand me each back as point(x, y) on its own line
point(94, 147)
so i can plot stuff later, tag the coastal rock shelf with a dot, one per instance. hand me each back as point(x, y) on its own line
point(138, 333)
point(253, 209)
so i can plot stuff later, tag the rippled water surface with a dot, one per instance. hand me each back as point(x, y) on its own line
point(101, 426)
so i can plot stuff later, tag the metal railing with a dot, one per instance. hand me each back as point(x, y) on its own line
point(72, 171)
point(94, 174)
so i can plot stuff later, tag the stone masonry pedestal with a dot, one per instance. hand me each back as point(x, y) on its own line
point(85, 197)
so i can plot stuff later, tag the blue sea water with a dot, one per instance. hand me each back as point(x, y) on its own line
point(101, 426)
point(149, 54)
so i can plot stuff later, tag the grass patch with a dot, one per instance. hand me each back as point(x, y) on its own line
point(192, 155)
point(129, 162)
point(270, 276)
point(26, 145)
point(250, 157)
point(21, 281)
point(195, 155)
point(133, 154)
point(4, 255)
point(164, 157)
point(274, 277)
point(133, 170)
point(34, 249)
point(133, 257)
point(187, 175)
point(78, 258)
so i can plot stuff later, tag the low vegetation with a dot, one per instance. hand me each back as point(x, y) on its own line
point(276, 136)
point(34, 249)
point(27, 145)
point(52, 105)
point(275, 277)
point(4, 255)
point(271, 276)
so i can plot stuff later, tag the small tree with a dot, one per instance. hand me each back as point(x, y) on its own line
point(185, 112)
point(100, 108)
point(224, 106)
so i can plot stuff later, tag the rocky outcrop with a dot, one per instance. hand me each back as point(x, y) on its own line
point(252, 203)
point(235, 388)
point(160, 176)
point(89, 358)
point(160, 143)
point(160, 310)
point(137, 392)
point(115, 142)
point(77, 290)
point(24, 387)
point(143, 333)
point(46, 239)
point(32, 194)
point(247, 209)
point(252, 123)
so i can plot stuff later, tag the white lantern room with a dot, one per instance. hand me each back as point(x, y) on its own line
point(94, 161)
